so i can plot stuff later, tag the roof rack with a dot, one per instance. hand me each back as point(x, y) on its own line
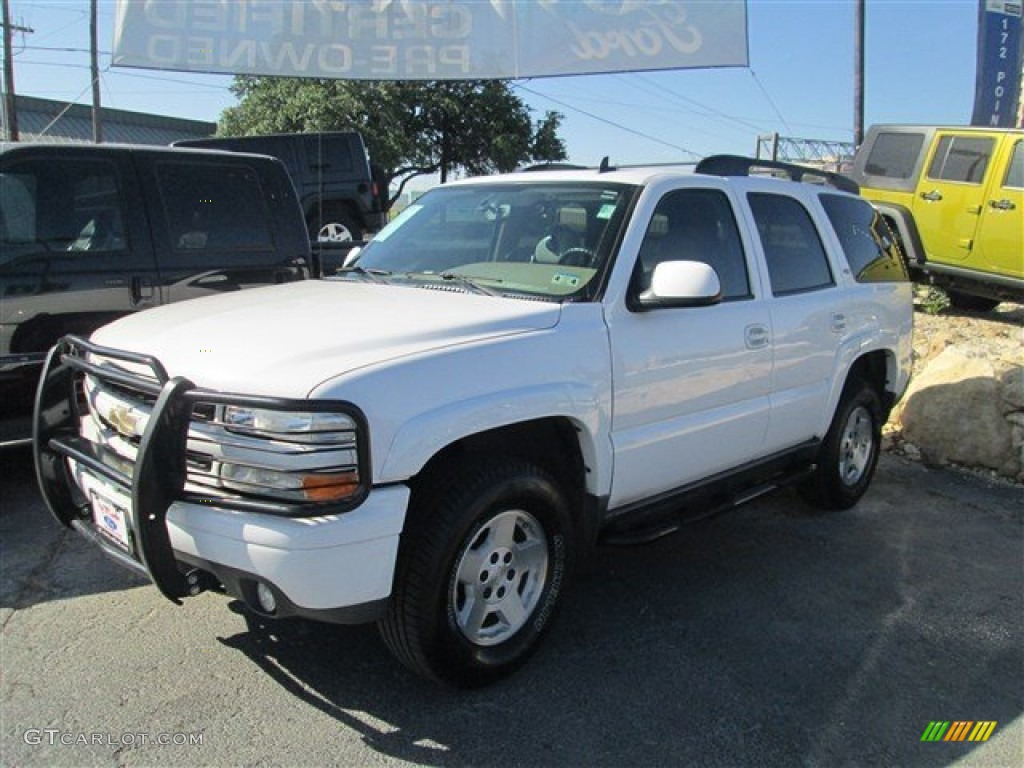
point(553, 167)
point(735, 165)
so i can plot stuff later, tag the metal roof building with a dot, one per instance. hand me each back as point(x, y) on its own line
point(58, 121)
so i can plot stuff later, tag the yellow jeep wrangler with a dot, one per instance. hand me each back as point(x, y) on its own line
point(954, 198)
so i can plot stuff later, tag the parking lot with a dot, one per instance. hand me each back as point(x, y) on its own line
point(767, 637)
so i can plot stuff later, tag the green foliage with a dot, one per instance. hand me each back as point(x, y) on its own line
point(932, 300)
point(410, 128)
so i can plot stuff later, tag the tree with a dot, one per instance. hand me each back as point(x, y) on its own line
point(410, 128)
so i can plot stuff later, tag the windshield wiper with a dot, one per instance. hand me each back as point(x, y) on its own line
point(466, 282)
point(373, 275)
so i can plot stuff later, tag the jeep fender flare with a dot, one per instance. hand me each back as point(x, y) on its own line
point(421, 438)
point(900, 219)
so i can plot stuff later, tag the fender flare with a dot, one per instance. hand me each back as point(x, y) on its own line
point(906, 229)
point(421, 438)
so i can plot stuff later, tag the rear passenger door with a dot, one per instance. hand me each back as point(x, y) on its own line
point(807, 319)
point(221, 226)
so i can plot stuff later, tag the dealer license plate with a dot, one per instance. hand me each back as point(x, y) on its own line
point(111, 519)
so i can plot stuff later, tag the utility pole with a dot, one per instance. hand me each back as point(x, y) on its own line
point(10, 109)
point(858, 73)
point(97, 122)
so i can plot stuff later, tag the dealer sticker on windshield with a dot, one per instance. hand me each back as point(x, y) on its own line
point(561, 278)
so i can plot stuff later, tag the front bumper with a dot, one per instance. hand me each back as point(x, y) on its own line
point(327, 561)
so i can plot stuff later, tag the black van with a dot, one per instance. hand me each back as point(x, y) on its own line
point(90, 233)
point(340, 197)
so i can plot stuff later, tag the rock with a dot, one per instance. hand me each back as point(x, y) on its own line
point(911, 451)
point(953, 412)
point(1013, 390)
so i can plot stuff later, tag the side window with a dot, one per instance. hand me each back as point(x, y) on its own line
point(696, 225)
point(1015, 173)
point(67, 206)
point(213, 206)
point(961, 158)
point(894, 154)
point(792, 248)
point(869, 250)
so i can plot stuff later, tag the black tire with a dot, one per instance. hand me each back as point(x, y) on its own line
point(971, 303)
point(453, 552)
point(849, 453)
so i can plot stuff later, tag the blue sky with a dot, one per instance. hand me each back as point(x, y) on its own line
point(920, 67)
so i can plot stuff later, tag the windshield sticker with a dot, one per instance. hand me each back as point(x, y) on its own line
point(606, 211)
point(561, 278)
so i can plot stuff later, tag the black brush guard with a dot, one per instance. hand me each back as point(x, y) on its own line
point(158, 477)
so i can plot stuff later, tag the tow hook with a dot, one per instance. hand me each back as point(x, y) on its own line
point(200, 581)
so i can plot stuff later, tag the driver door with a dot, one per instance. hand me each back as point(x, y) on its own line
point(691, 385)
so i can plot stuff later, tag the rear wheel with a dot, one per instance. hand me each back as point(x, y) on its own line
point(335, 225)
point(480, 573)
point(849, 453)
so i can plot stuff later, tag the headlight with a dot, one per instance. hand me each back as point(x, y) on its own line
point(291, 455)
point(336, 484)
point(295, 426)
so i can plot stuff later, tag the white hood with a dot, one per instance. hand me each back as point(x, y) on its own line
point(285, 340)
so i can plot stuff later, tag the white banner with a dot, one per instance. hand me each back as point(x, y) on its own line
point(423, 40)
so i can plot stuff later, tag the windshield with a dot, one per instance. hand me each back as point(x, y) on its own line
point(542, 239)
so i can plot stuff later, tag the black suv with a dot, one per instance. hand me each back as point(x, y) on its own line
point(340, 197)
point(91, 233)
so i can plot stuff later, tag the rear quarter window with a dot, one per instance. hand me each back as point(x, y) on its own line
point(869, 249)
point(894, 155)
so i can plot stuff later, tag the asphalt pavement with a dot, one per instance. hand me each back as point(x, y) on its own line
point(768, 637)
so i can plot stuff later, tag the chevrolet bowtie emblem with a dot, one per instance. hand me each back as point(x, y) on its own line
point(123, 420)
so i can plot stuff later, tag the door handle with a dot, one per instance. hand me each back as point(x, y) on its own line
point(932, 197)
point(142, 290)
point(756, 336)
point(1002, 205)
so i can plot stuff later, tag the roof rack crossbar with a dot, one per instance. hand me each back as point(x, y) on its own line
point(735, 165)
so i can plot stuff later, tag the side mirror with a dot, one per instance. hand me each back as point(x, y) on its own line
point(681, 284)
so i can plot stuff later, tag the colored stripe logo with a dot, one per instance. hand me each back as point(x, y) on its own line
point(959, 730)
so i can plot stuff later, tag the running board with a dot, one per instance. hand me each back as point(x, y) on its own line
point(646, 524)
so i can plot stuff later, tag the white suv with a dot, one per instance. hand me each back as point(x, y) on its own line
point(514, 369)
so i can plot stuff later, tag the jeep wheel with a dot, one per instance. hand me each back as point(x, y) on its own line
point(481, 569)
point(847, 459)
point(334, 225)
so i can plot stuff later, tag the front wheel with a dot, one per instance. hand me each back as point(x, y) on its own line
point(849, 453)
point(480, 573)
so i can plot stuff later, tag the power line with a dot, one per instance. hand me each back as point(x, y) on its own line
point(770, 100)
point(62, 50)
point(708, 110)
point(608, 122)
